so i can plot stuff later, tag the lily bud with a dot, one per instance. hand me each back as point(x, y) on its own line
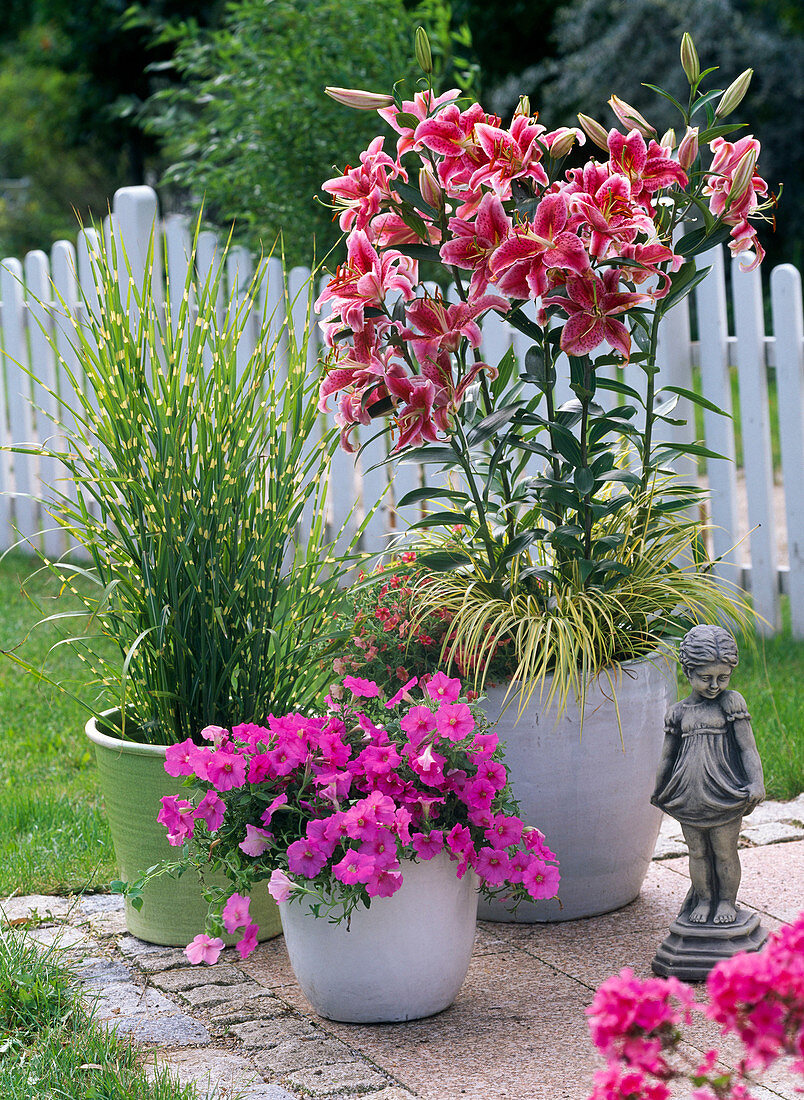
point(423, 53)
point(734, 94)
point(428, 185)
point(688, 149)
point(743, 175)
point(689, 59)
point(594, 131)
point(362, 101)
point(668, 139)
point(562, 144)
point(523, 107)
point(629, 116)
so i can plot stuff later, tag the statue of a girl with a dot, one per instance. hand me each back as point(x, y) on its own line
point(710, 774)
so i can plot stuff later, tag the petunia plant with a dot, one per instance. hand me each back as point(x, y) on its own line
point(554, 500)
point(330, 808)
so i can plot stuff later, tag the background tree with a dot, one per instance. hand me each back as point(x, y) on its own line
point(594, 39)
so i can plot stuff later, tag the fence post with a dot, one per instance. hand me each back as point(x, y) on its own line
point(788, 328)
point(18, 395)
point(755, 422)
point(713, 333)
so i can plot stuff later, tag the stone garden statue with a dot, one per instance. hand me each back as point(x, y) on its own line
point(709, 777)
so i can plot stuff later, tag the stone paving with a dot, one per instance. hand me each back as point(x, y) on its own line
point(243, 1030)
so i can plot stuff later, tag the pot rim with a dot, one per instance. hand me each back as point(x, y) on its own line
point(118, 744)
point(659, 659)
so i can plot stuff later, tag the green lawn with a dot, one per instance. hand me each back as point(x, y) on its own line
point(53, 835)
point(49, 1045)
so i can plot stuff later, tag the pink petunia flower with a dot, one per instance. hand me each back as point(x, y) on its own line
point(306, 858)
point(256, 841)
point(180, 759)
point(443, 689)
point(361, 689)
point(248, 942)
point(203, 949)
point(211, 810)
point(177, 815)
point(280, 887)
point(226, 770)
point(454, 721)
point(428, 845)
point(235, 913)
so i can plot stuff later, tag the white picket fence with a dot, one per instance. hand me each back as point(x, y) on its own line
point(28, 371)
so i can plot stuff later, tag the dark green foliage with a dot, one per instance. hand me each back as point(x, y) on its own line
point(250, 129)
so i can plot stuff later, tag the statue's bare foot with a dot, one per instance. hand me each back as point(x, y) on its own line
point(700, 913)
point(725, 913)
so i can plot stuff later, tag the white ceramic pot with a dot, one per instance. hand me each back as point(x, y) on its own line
point(588, 790)
point(404, 958)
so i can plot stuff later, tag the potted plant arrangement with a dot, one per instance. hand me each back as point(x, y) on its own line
point(192, 470)
point(556, 528)
point(375, 822)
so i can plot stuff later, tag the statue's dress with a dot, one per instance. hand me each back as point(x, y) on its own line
point(706, 786)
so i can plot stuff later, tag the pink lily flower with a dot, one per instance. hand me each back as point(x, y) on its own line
point(360, 192)
point(727, 159)
point(512, 154)
point(610, 214)
point(474, 242)
point(366, 278)
point(441, 326)
point(520, 265)
point(592, 304)
point(421, 106)
point(647, 167)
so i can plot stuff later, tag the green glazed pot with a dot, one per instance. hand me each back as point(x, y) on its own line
point(133, 780)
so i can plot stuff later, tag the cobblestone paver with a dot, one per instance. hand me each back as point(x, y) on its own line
point(219, 1028)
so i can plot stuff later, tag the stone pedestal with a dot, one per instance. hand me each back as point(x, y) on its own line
point(690, 951)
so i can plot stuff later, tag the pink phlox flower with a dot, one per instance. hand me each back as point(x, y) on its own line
point(360, 192)
point(428, 845)
point(235, 913)
point(256, 840)
point(403, 693)
point(306, 858)
point(177, 815)
point(442, 688)
point(492, 865)
point(248, 942)
point(384, 882)
point(648, 168)
point(270, 810)
point(422, 105)
point(362, 689)
point(593, 303)
point(181, 759)
point(203, 949)
point(505, 830)
point(354, 867)
point(211, 811)
point(474, 242)
point(454, 721)
point(226, 770)
point(280, 887)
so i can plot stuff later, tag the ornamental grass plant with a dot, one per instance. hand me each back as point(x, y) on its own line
point(197, 504)
point(575, 539)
